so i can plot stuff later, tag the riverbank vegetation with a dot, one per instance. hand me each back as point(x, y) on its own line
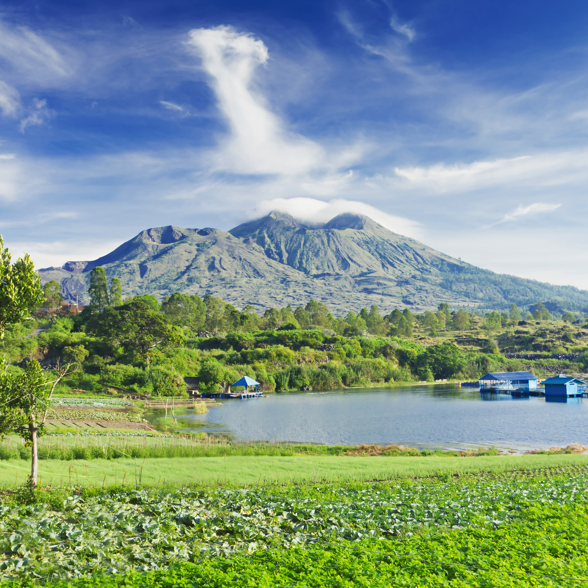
point(147, 348)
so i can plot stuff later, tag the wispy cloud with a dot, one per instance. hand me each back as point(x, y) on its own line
point(259, 142)
point(31, 55)
point(402, 28)
point(172, 106)
point(9, 99)
point(530, 210)
point(38, 115)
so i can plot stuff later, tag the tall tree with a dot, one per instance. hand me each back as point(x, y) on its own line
point(98, 290)
point(20, 288)
point(52, 293)
point(514, 314)
point(115, 292)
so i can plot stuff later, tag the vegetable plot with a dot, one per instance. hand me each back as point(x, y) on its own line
point(145, 530)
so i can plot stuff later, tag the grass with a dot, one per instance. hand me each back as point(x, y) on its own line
point(260, 470)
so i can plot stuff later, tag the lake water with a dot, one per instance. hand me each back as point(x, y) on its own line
point(420, 416)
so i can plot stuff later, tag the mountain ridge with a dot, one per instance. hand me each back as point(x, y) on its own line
point(348, 262)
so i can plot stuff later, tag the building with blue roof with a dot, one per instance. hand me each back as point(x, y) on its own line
point(508, 382)
point(563, 386)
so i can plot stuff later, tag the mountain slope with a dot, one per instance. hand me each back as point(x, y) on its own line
point(348, 263)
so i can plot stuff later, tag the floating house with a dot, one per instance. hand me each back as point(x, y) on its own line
point(511, 382)
point(245, 388)
point(563, 387)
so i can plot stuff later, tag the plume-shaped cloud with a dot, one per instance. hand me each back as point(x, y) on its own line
point(259, 143)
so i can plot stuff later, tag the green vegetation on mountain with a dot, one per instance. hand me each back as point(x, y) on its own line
point(349, 263)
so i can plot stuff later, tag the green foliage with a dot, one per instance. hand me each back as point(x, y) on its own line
point(211, 375)
point(439, 533)
point(20, 288)
point(52, 294)
point(135, 327)
point(98, 290)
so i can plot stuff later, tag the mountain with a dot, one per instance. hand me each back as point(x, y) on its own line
point(349, 263)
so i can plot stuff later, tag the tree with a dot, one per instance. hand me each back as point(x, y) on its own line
point(52, 294)
point(98, 290)
point(568, 317)
point(375, 323)
point(431, 321)
point(404, 328)
point(394, 317)
point(445, 360)
point(444, 308)
point(302, 317)
point(514, 314)
point(442, 319)
point(492, 321)
point(211, 375)
point(408, 316)
point(20, 288)
point(135, 327)
point(541, 313)
point(183, 310)
point(271, 318)
point(115, 292)
point(25, 401)
point(215, 309)
point(318, 314)
point(461, 320)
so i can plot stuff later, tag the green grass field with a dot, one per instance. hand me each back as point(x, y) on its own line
point(258, 470)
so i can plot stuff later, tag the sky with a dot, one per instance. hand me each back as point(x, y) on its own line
point(462, 124)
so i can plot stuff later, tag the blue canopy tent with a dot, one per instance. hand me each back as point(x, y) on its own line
point(246, 382)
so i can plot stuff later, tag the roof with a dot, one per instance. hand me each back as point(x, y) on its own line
point(562, 379)
point(245, 381)
point(506, 376)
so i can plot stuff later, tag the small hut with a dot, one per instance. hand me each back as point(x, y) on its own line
point(245, 388)
point(563, 386)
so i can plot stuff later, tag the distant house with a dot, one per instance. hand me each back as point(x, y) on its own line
point(563, 386)
point(508, 381)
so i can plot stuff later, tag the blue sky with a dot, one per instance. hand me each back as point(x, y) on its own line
point(462, 124)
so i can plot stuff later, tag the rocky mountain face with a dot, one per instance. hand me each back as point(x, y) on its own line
point(348, 263)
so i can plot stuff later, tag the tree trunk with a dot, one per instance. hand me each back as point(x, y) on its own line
point(34, 456)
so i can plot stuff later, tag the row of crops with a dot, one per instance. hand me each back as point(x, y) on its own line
point(222, 529)
point(91, 402)
point(90, 414)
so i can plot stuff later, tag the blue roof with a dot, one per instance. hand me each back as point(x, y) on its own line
point(562, 379)
point(245, 381)
point(507, 376)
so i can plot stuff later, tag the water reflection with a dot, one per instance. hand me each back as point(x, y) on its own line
point(422, 416)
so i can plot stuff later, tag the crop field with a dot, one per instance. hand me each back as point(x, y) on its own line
point(510, 529)
point(91, 402)
point(261, 470)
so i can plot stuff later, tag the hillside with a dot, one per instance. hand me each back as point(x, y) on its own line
point(348, 263)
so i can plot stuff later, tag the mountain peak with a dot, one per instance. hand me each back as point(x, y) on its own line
point(274, 219)
point(351, 220)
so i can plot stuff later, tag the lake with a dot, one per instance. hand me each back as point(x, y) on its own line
point(445, 416)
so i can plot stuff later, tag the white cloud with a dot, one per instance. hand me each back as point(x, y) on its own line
point(30, 53)
point(39, 115)
point(259, 143)
point(9, 99)
point(532, 209)
point(319, 211)
point(10, 177)
point(538, 170)
point(171, 106)
point(402, 28)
